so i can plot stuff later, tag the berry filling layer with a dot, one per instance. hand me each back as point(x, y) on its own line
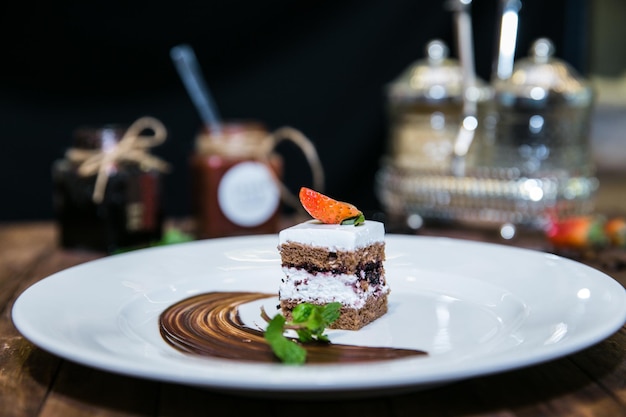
point(351, 290)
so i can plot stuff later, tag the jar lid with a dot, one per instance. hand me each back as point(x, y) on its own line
point(436, 78)
point(541, 79)
point(238, 139)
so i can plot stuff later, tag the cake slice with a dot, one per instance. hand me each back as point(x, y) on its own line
point(335, 262)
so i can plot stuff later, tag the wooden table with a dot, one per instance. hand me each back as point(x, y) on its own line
point(36, 383)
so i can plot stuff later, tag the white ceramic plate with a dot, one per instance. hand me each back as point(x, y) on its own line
point(475, 308)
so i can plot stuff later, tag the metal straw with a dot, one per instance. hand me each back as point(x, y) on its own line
point(467, 130)
point(507, 39)
point(187, 65)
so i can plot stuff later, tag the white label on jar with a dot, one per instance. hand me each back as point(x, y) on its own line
point(248, 195)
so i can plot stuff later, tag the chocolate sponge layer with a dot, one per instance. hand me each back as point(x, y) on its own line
point(350, 318)
point(321, 259)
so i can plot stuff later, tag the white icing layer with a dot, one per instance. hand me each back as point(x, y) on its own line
point(324, 288)
point(334, 236)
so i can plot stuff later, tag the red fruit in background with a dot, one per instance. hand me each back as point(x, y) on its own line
point(615, 229)
point(328, 210)
point(580, 232)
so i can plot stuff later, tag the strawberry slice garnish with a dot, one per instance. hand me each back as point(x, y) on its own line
point(328, 210)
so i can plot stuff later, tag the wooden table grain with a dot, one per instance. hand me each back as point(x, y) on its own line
point(36, 383)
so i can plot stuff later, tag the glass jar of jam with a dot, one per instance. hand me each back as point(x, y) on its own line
point(236, 181)
point(121, 211)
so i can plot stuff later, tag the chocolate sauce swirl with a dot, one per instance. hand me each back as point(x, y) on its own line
point(209, 325)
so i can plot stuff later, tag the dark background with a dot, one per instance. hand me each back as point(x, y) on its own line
point(318, 66)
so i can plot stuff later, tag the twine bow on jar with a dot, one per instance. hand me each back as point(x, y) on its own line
point(310, 153)
point(132, 147)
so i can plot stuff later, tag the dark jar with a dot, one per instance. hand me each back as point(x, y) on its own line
point(236, 181)
point(127, 215)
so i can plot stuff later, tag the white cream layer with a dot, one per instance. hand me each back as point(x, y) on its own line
point(323, 288)
point(334, 236)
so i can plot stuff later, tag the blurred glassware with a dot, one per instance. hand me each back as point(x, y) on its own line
point(530, 161)
point(425, 110)
point(543, 121)
point(107, 191)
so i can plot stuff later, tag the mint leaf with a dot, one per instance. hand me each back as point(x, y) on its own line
point(309, 316)
point(173, 236)
point(302, 312)
point(356, 220)
point(286, 350)
point(170, 237)
point(309, 322)
point(330, 312)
